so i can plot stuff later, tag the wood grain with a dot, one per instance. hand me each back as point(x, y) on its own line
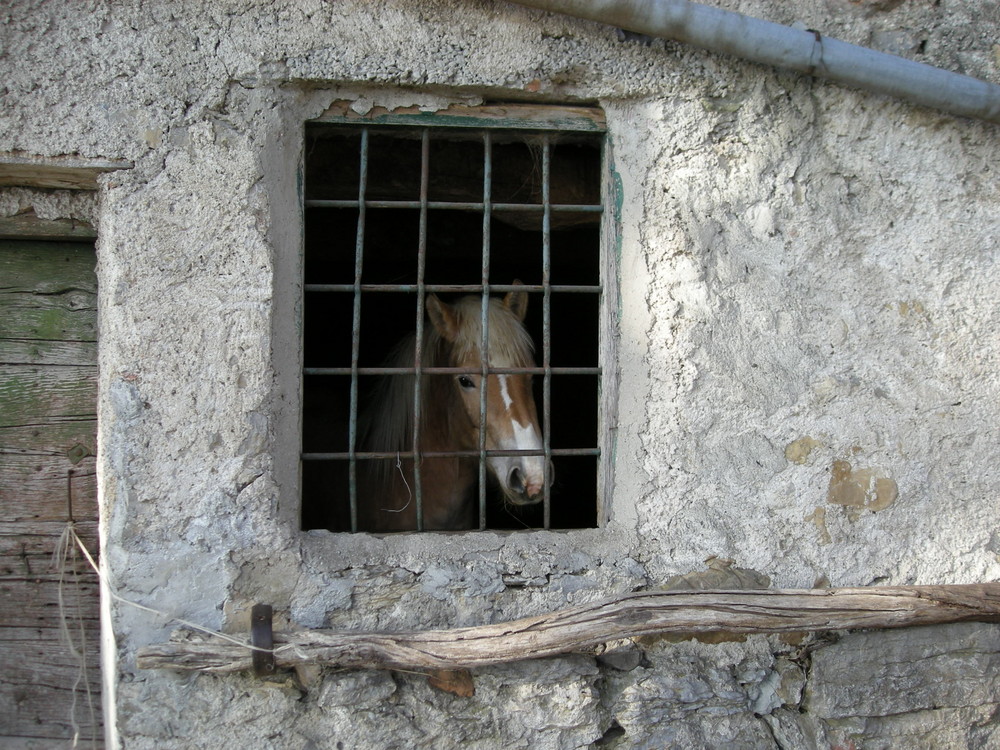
point(48, 399)
point(581, 628)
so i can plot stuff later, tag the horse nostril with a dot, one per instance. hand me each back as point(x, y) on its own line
point(515, 481)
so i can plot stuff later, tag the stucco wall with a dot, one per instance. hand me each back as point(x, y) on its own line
point(808, 370)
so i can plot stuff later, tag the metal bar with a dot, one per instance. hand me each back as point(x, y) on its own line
point(69, 497)
point(607, 424)
point(453, 370)
point(455, 288)
point(356, 328)
point(546, 331)
point(471, 453)
point(419, 343)
point(570, 208)
point(485, 350)
point(545, 209)
point(262, 639)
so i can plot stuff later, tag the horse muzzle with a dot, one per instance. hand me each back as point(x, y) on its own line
point(521, 491)
point(525, 483)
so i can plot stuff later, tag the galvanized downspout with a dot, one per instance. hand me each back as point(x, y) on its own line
point(781, 46)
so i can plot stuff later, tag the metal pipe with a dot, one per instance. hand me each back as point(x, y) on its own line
point(807, 52)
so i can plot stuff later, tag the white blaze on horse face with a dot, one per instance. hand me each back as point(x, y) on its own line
point(505, 393)
point(518, 431)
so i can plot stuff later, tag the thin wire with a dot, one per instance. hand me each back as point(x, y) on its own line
point(66, 553)
point(70, 533)
point(402, 475)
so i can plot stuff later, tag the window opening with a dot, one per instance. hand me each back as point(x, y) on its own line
point(433, 240)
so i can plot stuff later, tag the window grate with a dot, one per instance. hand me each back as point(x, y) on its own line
point(365, 271)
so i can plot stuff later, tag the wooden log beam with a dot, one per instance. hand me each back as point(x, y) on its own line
point(68, 172)
point(581, 628)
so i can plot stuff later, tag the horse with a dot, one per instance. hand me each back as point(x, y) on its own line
point(449, 420)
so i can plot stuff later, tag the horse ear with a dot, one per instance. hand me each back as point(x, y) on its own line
point(517, 302)
point(443, 318)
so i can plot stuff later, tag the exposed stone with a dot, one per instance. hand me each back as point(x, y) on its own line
point(916, 669)
point(860, 488)
point(798, 451)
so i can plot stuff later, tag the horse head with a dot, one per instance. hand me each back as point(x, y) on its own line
point(511, 416)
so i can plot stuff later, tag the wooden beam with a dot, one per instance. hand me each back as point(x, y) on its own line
point(514, 115)
point(27, 226)
point(55, 172)
point(584, 627)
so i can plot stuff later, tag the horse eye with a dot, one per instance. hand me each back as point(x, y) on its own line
point(466, 382)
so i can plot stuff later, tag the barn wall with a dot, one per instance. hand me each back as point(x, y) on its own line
point(808, 372)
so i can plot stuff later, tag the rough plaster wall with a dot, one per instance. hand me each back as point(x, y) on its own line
point(809, 307)
point(49, 204)
point(828, 276)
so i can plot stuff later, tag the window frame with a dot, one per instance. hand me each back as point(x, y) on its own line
point(553, 119)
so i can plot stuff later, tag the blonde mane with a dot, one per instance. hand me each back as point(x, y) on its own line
point(387, 423)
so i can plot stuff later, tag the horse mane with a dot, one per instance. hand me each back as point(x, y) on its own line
point(510, 344)
point(387, 422)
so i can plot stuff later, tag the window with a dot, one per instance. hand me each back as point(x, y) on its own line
point(429, 240)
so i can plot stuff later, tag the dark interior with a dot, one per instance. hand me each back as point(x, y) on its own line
point(453, 256)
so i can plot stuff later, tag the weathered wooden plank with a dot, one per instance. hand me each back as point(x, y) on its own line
point(47, 743)
point(43, 352)
point(30, 603)
point(27, 547)
point(47, 268)
point(65, 316)
point(519, 116)
point(28, 225)
point(30, 393)
point(586, 626)
point(47, 323)
point(40, 711)
point(48, 400)
point(33, 558)
point(49, 291)
point(41, 656)
point(38, 531)
point(40, 669)
point(39, 567)
point(56, 436)
point(68, 172)
point(34, 488)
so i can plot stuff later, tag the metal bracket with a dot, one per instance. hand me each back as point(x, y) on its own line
point(77, 453)
point(262, 639)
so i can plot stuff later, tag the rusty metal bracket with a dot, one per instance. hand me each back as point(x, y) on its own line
point(69, 497)
point(262, 639)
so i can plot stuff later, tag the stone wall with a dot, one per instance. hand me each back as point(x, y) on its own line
point(808, 367)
